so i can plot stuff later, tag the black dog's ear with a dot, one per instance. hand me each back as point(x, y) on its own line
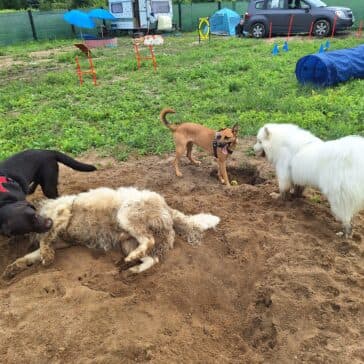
point(235, 128)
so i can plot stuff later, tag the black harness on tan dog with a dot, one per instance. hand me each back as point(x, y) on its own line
point(217, 144)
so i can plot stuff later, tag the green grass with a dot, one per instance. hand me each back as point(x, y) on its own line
point(215, 83)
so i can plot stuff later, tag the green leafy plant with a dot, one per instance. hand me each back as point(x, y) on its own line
point(214, 83)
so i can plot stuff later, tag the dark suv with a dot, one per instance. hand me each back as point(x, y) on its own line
point(305, 16)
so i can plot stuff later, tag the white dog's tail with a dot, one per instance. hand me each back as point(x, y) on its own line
point(192, 226)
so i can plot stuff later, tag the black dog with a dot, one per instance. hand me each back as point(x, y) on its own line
point(20, 217)
point(19, 176)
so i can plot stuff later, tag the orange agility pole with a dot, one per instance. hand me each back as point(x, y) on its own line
point(334, 26)
point(290, 26)
point(270, 30)
point(147, 41)
point(91, 70)
point(360, 29)
point(310, 32)
point(140, 58)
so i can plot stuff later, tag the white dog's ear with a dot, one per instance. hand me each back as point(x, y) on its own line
point(266, 132)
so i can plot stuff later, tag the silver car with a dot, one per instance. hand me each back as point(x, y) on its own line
point(302, 16)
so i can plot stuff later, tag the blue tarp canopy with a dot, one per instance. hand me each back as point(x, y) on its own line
point(101, 14)
point(330, 68)
point(79, 19)
point(224, 22)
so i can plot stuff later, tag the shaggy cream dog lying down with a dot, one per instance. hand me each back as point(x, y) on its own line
point(105, 218)
point(335, 167)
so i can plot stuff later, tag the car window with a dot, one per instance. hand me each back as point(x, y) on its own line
point(317, 3)
point(259, 5)
point(297, 4)
point(275, 4)
point(294, 4)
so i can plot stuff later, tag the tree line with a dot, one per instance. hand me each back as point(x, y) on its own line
point(50, 4)
point(67, 4)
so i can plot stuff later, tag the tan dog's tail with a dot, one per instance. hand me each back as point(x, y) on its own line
point(162, 117)
point(192, 226)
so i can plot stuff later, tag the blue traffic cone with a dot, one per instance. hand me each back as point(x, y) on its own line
point(285, 46)
point(275, 50)
point(327, 45)
point(321, 50)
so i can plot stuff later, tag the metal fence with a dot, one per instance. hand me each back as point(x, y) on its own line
point(16, 27)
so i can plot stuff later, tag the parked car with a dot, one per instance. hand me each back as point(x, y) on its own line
point(308, 15)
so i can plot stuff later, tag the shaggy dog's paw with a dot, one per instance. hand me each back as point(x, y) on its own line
point(275, 195)
point(340, 234)
point(11, 271)
point(134, 255)
point(123, 266)
point(134, 270)
point(48, 258)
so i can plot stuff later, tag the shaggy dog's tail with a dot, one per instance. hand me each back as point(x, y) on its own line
point(162, 117)
point(192, 226)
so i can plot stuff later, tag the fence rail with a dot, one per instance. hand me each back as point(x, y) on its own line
point(17, 27)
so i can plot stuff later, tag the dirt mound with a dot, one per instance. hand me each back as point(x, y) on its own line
point(272, 284)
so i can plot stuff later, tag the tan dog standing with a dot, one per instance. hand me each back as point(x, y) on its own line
point(219, 143)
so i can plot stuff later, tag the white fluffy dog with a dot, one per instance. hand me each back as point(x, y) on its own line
point(105, 218)
point(279, 143)
point(301, 159)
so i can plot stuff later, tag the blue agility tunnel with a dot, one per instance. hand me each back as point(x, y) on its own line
point(330, 68)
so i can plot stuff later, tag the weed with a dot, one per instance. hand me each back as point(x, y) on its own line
point(216, 84)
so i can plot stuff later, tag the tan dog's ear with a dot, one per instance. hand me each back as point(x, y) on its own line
point(235, 129)
point(266, 132)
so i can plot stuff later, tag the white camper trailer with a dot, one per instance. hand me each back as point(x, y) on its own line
point(141, 14)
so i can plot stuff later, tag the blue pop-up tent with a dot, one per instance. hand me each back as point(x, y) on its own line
point(224, 22)
point(330, 68)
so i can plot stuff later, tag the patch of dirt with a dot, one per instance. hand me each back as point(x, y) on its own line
point(8, 62)
point(272, 284)
point(49, 53)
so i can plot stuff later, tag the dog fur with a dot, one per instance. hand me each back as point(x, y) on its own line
point(105, 218)
point(34, 167)
point(19, 176)
point(21, 217)
point(335, 167)
point(187, 134)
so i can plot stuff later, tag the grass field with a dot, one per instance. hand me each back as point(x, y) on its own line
point(216, 83)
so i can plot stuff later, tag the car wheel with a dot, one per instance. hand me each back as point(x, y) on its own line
point(321, 28)
point(257, 30)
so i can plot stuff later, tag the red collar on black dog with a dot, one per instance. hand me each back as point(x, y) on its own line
point(4, 179)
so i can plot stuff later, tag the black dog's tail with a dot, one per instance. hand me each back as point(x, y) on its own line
point(72, 163)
